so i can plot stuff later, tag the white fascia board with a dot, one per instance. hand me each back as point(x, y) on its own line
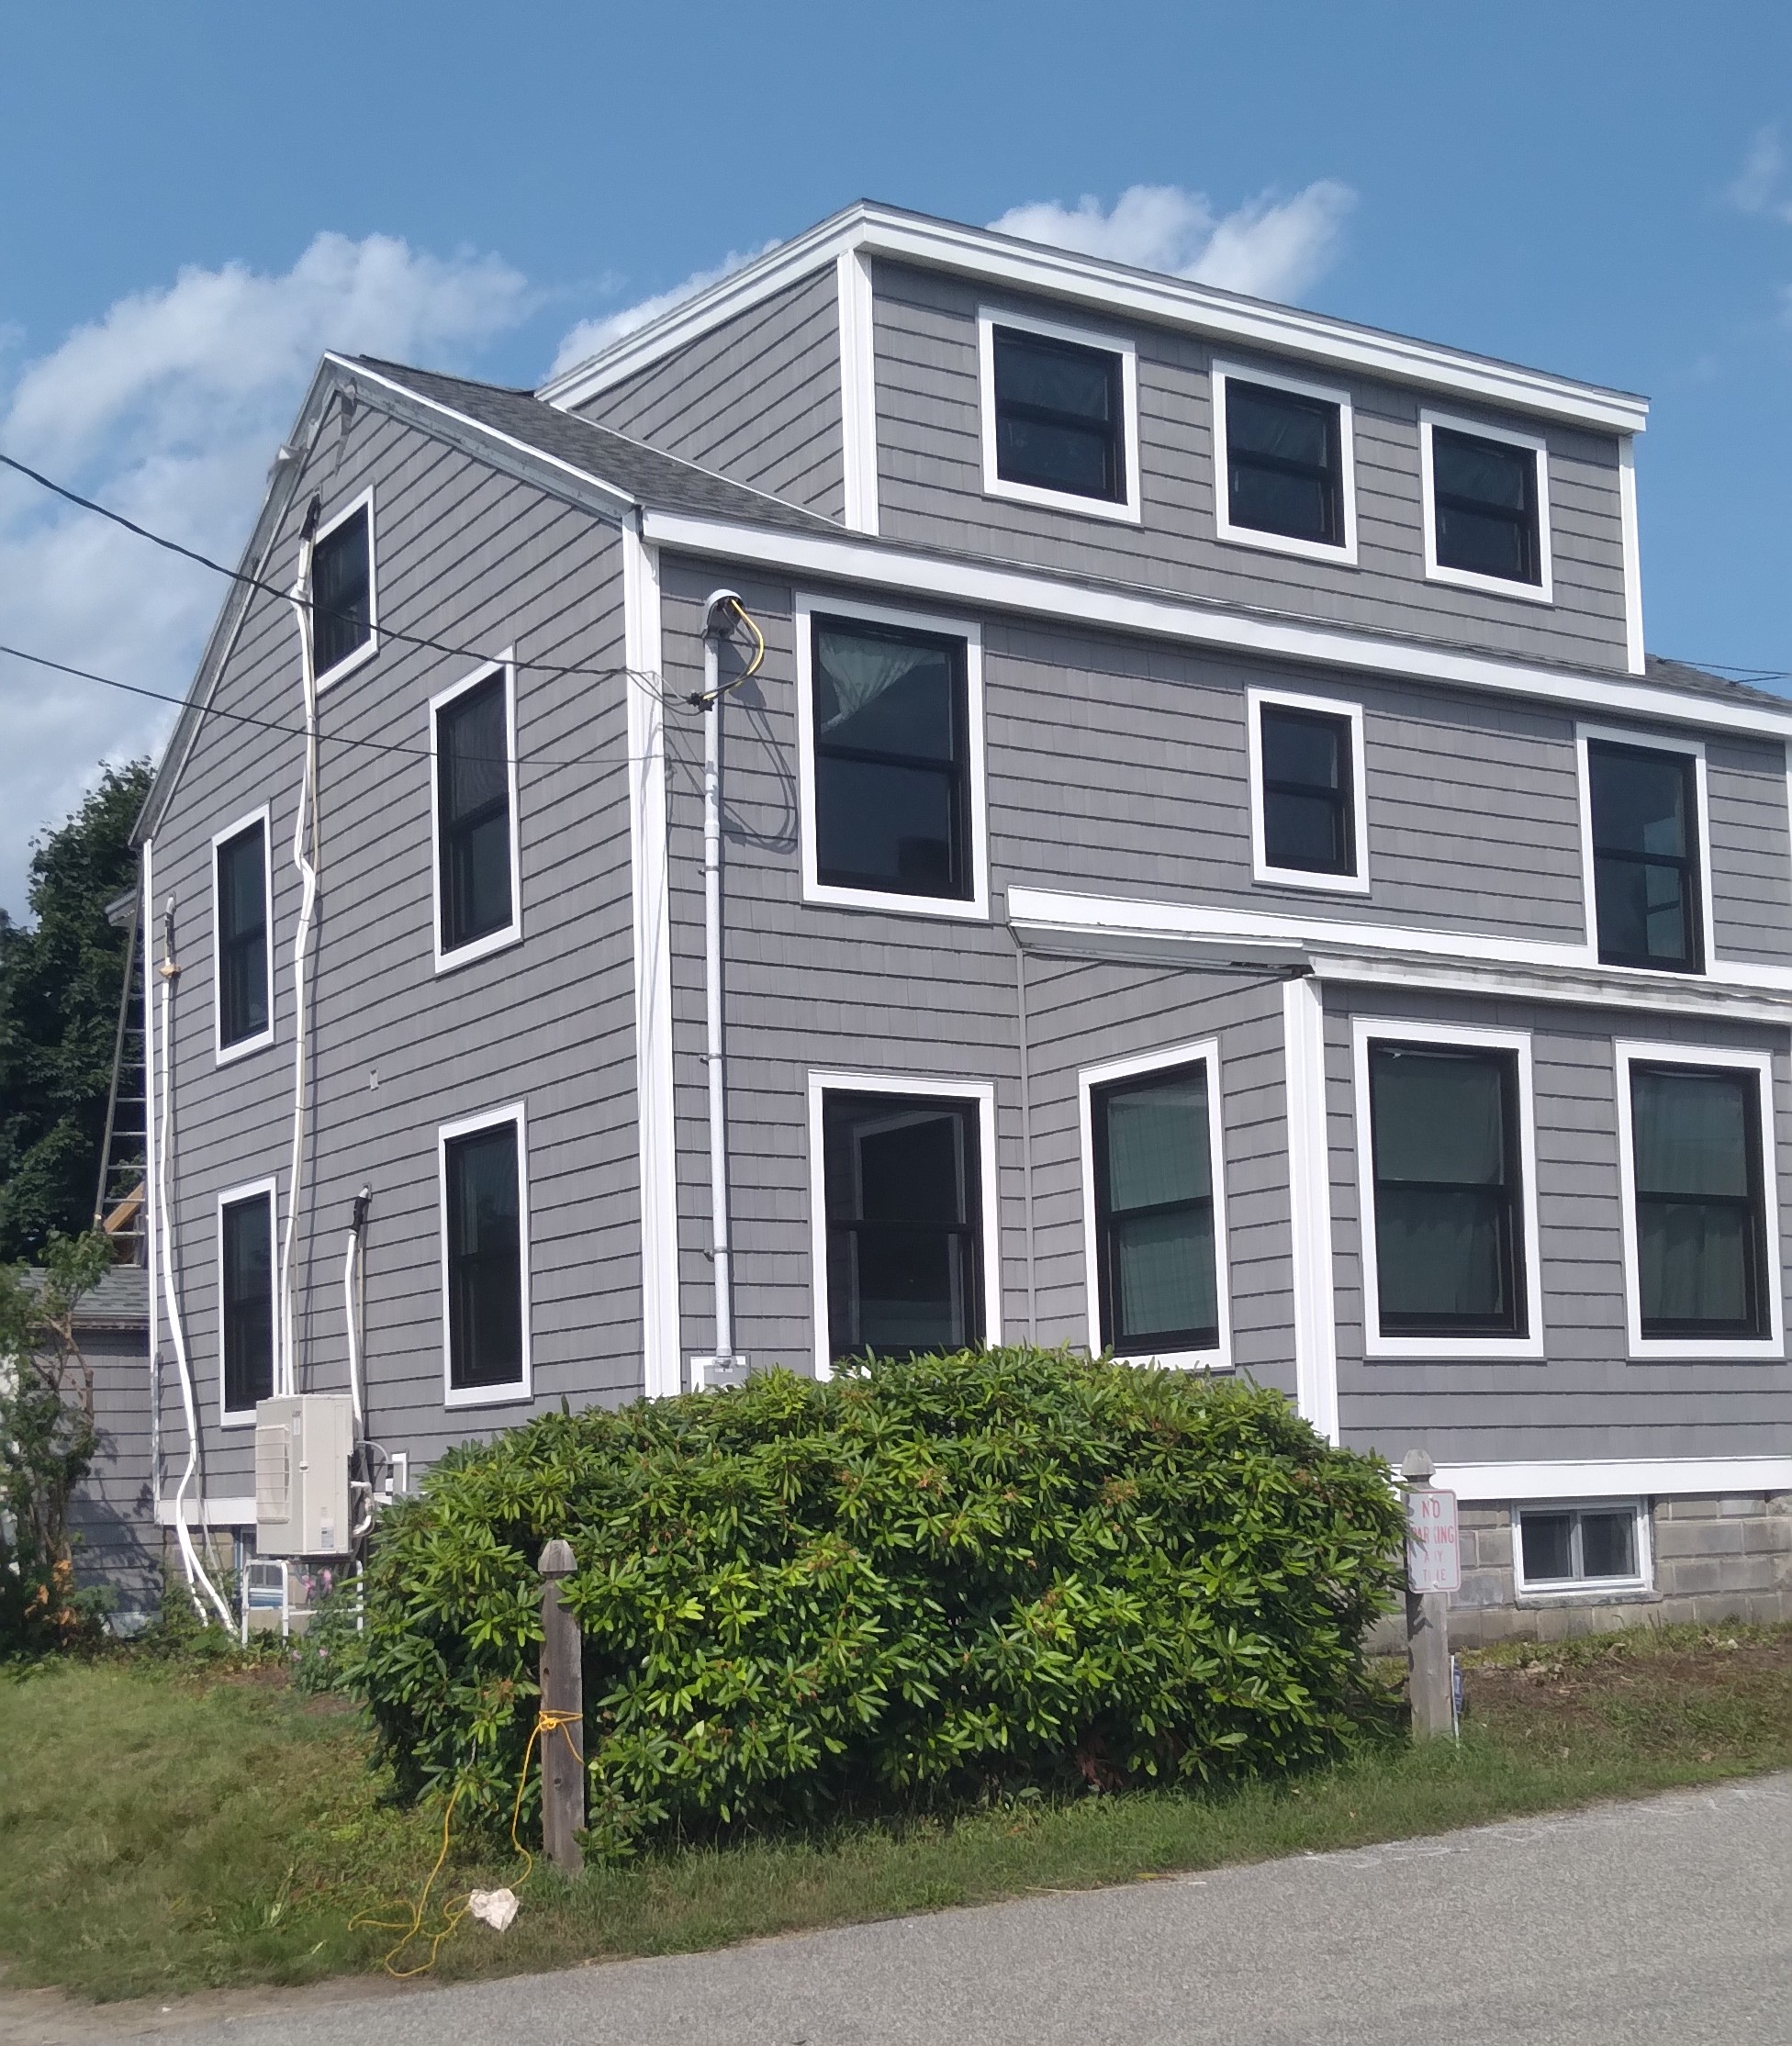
point(1086, 281)
point(1392, 954)
point(956, 581)
point(1615, 1478)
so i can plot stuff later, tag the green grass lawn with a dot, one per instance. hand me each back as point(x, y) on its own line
point(162, 1831)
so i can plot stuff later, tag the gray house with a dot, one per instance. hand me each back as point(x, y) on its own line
point(1199, 863)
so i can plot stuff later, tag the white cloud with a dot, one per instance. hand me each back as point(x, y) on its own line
point(590, 337)
point(169, 408)
point(1758, 186)
point(1270, 248)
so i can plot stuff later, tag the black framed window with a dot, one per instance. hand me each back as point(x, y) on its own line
point(892, 760)
point(473, 812)
point(904, 1228)
point(1484, 504)
point(241, 897)
point(1448, 1236)
point(1284, 463)
point(1059, 415)
point(485, 1258)
point(1309, 790)
point(341, 591)
point(1157, 1272)
point(1575, 1545)
point(246, 1247)
point(1703, 1264)
point(1645, 856)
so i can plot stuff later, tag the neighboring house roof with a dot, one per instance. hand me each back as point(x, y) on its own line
point(1004, 260)
point(1696, 681)
point(121, 1299)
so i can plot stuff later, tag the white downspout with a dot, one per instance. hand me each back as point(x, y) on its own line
point(305, 828)
point(196, 1578)
point(151, 1208)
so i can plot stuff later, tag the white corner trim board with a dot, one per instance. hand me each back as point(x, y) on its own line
point(976, 907)
point(1113, 289)
point(1309, 1202)
point(919, 1087)
point(1616, 1477)
point(1632, 542)
point(1127, 508)
point(651, 926)
point(1342, 552)
point(1206, 1054)
point(859, 392)
point(923, 577)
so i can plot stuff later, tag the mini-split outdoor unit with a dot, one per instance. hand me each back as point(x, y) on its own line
point(303, 1445)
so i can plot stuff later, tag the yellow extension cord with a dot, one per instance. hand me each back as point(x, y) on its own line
point(451, 1914)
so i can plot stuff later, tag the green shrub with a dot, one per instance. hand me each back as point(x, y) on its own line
point(921, 1582)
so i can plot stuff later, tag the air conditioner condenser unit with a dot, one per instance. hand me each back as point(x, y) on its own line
point(303, 1446)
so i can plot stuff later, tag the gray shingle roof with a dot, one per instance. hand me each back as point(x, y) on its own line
point(121, 1299)
point(661, 481)
point(1682, 675)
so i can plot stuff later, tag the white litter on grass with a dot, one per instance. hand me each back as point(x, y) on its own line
point(493, 1908)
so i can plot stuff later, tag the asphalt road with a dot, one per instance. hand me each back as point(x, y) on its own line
point(1669, 1920)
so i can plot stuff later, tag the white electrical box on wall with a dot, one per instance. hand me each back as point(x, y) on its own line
point(303, 1445)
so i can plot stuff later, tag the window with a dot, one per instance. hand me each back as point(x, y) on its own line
point(1058, 407)
point(245, 1263)
point(1570, 1549)
point(1645, 818)
point(1307, 796)
point(1485, 491)
point(1448, 1238)
point(1283, 464)
point(342, 614)
point(901, 1207)
point(1152, 1151)
point(472, 738)
point(243, 993)
point(892, 745)
point(485, 1238)
point(1701, 1223)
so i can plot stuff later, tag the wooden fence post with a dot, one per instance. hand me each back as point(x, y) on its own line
point(563, 1691)
point(1429, 1682)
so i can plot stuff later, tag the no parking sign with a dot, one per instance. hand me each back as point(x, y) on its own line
point(1434, 1556)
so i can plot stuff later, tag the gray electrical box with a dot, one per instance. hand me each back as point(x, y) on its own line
point(303, 1445)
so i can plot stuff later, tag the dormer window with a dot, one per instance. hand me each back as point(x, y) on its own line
point(1486, 498)
point(1059, 410)
point(342, 612)
point(1284, 470)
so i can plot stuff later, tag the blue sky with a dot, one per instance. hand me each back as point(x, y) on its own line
point(1602, 190)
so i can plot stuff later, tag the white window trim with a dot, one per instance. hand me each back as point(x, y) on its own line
point(919, 1087)
point(223, 1054)
point(1279, 543)
point(1204, 1054)
point(1293, 876)
point(370, 645)
point(1771, 1347)
point(988, 317)
point(1526, 1349)
point(1647, 742)
point(252, 1190)
point(1539, 592)
point(813, 888)
point(508, 933)
point(1555, 1590)
point(523, 1388)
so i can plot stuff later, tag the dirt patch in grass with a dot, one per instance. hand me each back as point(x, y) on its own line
point(162, 1832)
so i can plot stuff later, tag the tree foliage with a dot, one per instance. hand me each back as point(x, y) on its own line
point(48, 1438)
point(918, 1583)
point(59, 1007)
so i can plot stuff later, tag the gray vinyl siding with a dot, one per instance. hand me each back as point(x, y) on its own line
point(1585, 1400)
point(1750, 850)
point(473, 560)
point(112, 1516)
point(757, 397)
point(823, 988)
point(930, 490)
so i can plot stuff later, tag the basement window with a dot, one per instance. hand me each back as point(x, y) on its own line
point(1602, 1547)
point(343, 620)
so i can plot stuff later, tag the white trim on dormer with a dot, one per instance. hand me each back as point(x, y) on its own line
point(1344, 551)
point(919, 575)
point(1355, 882)
point(859, 392)
point(1109, 289)
point(1542, 591)
point(1632, 544)
point(370, 645)
point(995, 485)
